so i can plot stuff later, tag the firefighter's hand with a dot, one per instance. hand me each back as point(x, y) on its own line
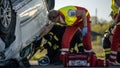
point(84, 31)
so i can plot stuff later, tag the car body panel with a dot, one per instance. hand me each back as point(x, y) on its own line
point(31, 17)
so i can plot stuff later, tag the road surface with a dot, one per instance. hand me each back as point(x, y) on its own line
point(34, 64)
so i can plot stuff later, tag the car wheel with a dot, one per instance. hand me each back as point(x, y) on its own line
point(50, 4)
point(11, 63)
point(7, 22)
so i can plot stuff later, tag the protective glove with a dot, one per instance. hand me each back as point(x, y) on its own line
point(84, 31)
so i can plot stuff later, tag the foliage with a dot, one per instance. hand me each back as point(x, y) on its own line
point(97, 47)
point(101, 27)
point(97, 41)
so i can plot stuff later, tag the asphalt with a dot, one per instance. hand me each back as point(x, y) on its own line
point(61, 66)
point(49, 66)
point(34, 64)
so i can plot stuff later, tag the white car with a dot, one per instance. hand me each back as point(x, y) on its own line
point(21, 22)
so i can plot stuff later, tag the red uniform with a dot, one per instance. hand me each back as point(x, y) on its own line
point(116, 38)
point(115, 42)
point(73, 24)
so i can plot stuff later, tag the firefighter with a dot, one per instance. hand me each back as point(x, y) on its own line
point(116, 38)
point(51, 35)
point(108, 37)
point(53, 44)
point(74, 18)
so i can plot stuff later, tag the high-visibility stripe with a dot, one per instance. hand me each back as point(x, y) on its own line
point(113, 57)
point(108, 49)
point(65, 49)
point(55, 47)
point(87, 13)
point(50, 37)
point(49, 43)
point(107, 52)
point(63, 53)
point(60, 24)
point(114, 52)
point(88, 50)
point(56, 38)
point(80, 45)
point(51, 33)
point(71, 50)
point(80, 20)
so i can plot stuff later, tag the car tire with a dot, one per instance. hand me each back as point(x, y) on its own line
point(50, 4)
point(7, 22)
point(12, 63)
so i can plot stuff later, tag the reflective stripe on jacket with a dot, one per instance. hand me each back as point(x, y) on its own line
point(71, 20)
